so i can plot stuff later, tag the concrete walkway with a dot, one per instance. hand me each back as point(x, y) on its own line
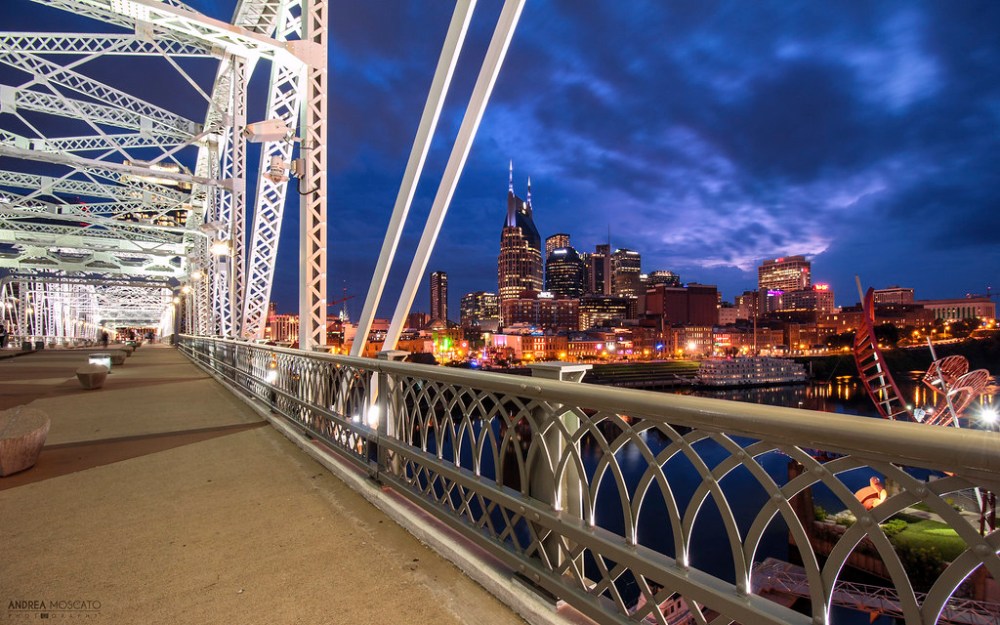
point(162, 498)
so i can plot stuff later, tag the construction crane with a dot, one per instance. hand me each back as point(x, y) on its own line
point(341, 300)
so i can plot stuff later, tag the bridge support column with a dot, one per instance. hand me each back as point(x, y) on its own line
point(387, 408)
point(563, 491)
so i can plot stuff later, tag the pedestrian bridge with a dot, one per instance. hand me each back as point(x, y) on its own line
point(562, 498)
point(544, 490)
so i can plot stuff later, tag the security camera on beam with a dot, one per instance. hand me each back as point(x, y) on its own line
point(269, 130)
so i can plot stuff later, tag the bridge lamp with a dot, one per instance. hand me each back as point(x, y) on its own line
point(219, 248)
point(271, 375)
point(373, 415)
point(185, 289)
point(988, 417)
point(197, 274)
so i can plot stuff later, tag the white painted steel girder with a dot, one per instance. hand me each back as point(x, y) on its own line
point(166, 125)
point(312, 219)
point(105, 45)
point(187, 26)
point(284, 102)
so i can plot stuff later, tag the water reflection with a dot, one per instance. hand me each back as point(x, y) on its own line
point(845, 395)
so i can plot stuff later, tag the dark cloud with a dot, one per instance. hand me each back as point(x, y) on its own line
point(705, 135)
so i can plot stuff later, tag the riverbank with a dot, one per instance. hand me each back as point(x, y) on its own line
point(981, 353)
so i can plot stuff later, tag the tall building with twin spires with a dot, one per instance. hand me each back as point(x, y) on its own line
point(519, 266)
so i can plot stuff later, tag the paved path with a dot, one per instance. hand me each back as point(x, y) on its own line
point(161, 498)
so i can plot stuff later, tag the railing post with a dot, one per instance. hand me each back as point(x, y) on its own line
point(386, 409)
point(566, 495)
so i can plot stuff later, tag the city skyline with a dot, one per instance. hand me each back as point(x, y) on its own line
point(719, 138)
point(707, 138)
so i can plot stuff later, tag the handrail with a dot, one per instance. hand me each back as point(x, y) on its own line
point(603, 495)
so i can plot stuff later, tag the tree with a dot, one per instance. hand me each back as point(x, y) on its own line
point(887, 334)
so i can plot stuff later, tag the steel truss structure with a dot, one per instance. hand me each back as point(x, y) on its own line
point(132, 204)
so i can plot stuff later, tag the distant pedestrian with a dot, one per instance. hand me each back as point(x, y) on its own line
point(104, 339)
point(3, 335)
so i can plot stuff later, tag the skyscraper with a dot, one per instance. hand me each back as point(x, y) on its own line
point(599, 271)
point(626, 273)
point(480, 309)
point(519, 266)
point(565, 273)
point(555, 241)
point(439, 296)
point(660, 276)
point(790, 273)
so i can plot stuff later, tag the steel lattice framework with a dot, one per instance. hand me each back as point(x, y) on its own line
point(113, 220)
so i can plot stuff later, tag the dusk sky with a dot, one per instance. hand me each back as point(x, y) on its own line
point(705, 135)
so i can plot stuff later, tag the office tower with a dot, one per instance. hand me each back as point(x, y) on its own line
point(555, 241)
point(480, 309)
point(565, 273)
point(894, 295)
point(599, 310)
point(599, 271)
point(695, 304)
point(626, 273)
point(519, 265)
point(439, 296)
point(790, 273)
point(660, 276)
point(819, 298)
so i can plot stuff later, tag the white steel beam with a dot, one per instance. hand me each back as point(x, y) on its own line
point(414, 166)
point(53, 74)
point(78, 44)
point(151, 194)
point(103, 143)
point(186, 26)
point(488, 73)
point(284, 102)
point(80, 163)
point(166, 125)
point(313, 216)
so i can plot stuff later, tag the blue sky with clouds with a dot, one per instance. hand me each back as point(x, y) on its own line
point(705, 135)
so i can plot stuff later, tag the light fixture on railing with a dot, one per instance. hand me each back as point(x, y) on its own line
point(373, 415)
point(271, 376)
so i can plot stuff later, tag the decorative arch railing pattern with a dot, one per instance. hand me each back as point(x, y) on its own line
point(618, 501)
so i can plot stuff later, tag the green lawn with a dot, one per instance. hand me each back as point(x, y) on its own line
point(924, 533)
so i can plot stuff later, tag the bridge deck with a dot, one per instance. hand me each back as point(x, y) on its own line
point(168, 500)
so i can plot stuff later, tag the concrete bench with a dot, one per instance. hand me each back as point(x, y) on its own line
point(22, 434)
point(92, 376)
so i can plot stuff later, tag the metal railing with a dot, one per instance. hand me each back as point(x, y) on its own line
point(613, 498)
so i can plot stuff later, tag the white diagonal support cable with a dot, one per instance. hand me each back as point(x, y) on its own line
point(414, 166)
point(488, 73)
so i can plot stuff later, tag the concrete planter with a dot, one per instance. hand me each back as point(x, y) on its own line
point(22, 433)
